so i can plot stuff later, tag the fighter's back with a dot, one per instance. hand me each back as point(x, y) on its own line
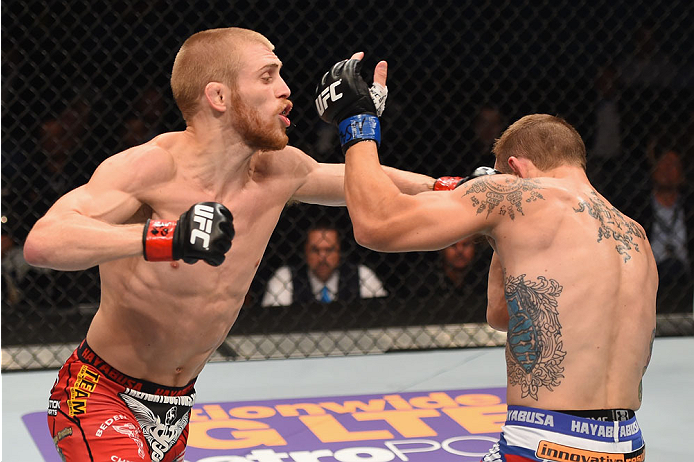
point(579, 284)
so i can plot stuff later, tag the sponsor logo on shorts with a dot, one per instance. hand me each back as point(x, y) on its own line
point(118, 459)
point(84, 385)
point(560, 453)
point(161, 430)
point(119, 424)
point(53, 407)
point(602, 430)
point(134, 433)
point(90, 357)
point(494, 454)
point(62, 434)
point(108, 422)
point(539, 418)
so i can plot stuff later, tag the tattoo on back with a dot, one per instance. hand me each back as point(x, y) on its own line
point(534, 343)
point(508, 194)
point(612, 225)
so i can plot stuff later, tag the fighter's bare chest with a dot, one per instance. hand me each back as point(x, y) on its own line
point(171, 201)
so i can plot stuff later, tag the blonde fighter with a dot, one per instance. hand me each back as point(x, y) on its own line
point(182, 196)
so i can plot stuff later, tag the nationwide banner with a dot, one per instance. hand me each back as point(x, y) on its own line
point(426, 426)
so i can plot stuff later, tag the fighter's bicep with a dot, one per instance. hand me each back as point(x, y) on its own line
point(108, 196)
point(427, 221)
point(107, 205)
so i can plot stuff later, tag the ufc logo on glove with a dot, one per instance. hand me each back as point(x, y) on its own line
point(328, 92)
point(203, 216)
point(204, 232)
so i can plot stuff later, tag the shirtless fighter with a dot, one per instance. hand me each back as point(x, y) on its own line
point(127, 390)
point(572, 280)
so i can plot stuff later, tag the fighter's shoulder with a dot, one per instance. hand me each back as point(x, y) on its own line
point(501, 196)
point(503, 185)
point(289, 160)
point(147, 162)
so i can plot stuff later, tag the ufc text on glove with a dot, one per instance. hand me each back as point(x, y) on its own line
point(343, 99)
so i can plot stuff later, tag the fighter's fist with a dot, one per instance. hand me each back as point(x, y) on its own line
point(446, 183)
point(344, 99)
point(204, 232)
point(480, 171)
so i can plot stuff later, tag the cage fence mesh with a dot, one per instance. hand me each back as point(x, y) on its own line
point(83, 80)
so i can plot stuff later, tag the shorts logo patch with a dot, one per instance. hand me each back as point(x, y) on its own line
point(133, 432)
point(161, 429)
point(53, 407)
point(560, 453)
point(84, 385)
point(62, 434)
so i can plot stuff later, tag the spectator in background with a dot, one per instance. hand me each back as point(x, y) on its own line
point(460, 274)
point(647, 65)
point(62, 161)
point(13, 264)
point(146, 120)
point(326, 275)
point(668, 218)
point(22, 284)
point(134, 132)
point(150, 107)
point(605, 146)
point(488, 124)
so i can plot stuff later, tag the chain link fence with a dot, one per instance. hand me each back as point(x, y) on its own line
point(82, 80)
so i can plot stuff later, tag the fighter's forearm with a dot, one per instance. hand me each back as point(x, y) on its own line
point(368, 189)
point(75, 242)
point(410, 182)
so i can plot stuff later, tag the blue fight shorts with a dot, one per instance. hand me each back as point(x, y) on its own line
point(537, 435)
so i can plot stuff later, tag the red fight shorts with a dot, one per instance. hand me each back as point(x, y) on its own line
point(96, 413)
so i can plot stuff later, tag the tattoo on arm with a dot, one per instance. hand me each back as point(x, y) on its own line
point(534, 344)
point(613, 224)
point(506, 194)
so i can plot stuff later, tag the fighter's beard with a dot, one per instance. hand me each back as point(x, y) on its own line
point(248, 123)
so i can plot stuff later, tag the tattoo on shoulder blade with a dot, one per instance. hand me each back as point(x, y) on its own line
point(508, 194)
point(534, 343)
point(613, 224)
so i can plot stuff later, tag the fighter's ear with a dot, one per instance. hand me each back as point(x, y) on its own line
point(521, 167)
point(217, 95)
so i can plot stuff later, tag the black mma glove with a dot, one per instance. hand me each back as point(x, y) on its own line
point(344, 99)
point(204, 232)
point(446, 183)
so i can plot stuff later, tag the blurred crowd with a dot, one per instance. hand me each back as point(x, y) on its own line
point(637, 122)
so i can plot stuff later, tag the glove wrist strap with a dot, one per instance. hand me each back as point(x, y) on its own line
point(362, 127)
point(157, 240)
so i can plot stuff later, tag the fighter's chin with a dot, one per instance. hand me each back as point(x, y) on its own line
point(275, 142)
point(277, 145)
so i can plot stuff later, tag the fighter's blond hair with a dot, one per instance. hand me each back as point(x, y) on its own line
point(548, 141)
point(209, 56)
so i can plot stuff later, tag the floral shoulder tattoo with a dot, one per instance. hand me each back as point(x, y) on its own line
point(613, 225)
point(507, 196)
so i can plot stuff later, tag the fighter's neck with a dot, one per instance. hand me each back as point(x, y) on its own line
point(215, 157)
point(564, 172)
